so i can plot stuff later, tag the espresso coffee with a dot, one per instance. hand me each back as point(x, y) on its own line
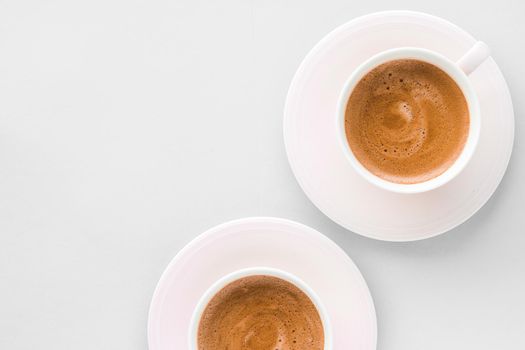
point(260, 313)
point(407, 121)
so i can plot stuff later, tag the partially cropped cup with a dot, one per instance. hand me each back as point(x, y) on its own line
point(458, 72)
point(265, 325)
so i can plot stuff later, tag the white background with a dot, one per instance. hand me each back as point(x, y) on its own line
point(129, 127)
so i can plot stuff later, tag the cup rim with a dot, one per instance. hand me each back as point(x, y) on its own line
point(253, 271)
point(461, 79)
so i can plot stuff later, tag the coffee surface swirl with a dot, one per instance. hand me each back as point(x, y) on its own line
point(407, 121)
point(260, 313)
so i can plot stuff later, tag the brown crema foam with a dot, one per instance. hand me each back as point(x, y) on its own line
point(260, 313)
point(407, 121)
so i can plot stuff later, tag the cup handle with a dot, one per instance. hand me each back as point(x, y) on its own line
point(474, 57)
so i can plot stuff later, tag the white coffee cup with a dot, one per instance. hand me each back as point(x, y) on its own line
point(458, 71)
point(253, 271)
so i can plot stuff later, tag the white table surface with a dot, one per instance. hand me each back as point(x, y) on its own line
point(129, 127)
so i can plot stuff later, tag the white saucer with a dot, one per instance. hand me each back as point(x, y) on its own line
point(270, 242)
point(330, 181)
